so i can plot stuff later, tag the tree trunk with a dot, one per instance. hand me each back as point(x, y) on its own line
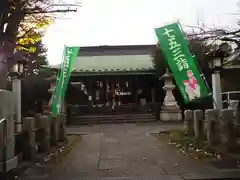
point(8, 43)
point(3, 72)
point(3, 80)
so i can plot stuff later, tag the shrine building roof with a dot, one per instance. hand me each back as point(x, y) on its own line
point(102, 60)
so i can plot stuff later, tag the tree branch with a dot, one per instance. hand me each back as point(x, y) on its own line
point(237, 42)
point(20, 37)
point(53, 11)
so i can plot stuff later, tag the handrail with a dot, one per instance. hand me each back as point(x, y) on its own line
point(2, 120)
point(231, 92)
point(229, 99)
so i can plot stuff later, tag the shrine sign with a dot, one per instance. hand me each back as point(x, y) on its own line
point(182, 63)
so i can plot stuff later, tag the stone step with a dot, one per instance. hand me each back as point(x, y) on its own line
point(126, 109)
point(114, 119)
point(117, 115)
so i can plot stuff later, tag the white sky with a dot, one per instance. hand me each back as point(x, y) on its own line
point(128, 22)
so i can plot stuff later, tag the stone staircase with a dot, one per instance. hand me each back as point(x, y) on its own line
point(116, 118)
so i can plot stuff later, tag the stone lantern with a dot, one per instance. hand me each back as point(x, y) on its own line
point(170, 110)
point(53, 83)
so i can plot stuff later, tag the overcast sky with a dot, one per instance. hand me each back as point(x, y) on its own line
point(128, 22)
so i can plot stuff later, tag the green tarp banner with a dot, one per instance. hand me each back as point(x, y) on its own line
point(69, 57)
point(181, 62)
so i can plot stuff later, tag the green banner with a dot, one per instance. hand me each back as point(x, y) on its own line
point(69, 57)
point(181, 62)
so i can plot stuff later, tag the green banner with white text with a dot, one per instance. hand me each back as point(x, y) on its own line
point(69, 57)
point(181, 62)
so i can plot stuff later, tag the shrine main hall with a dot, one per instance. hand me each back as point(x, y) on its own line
point(114, 81)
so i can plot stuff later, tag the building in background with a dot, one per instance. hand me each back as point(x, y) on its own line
point(112, 80)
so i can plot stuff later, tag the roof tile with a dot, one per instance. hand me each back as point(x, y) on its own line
point(112, 63)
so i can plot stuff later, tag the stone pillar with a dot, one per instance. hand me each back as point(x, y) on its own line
point(29, 128)
point(211, 129)
point(198, 124)
point(44, 122)
point(37, 121)
point(16, 88)
point(55, 130)
point(216, 88)
point(226, 128)
point(188, 123)
point(7, 112)
point(62, 127)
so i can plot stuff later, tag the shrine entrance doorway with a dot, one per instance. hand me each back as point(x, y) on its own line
point(111, 95)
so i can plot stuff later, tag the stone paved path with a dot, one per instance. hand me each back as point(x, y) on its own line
point(122, 152)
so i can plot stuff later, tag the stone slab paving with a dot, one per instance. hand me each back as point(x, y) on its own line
point(124, 152)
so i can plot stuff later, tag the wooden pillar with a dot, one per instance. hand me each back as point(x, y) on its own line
point(117, 89)
point(153, 95)
point(136, 92)
point(106, 91)
point(131, 89)
point(153, 99)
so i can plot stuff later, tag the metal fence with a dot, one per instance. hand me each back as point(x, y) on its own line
point(230, 99)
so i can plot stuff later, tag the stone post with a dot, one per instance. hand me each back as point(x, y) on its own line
point(44, 122)
point(16, 88)
point(62, 127)
point(37, 121)
point(188, 122)
point(55, 130)
point(29, 128)
point(198, 124)
point(211, 130)
point(226, 128)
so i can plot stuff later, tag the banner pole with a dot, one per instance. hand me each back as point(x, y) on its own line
point(62, 61)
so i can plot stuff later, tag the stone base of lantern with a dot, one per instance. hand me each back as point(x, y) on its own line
point(168, 115)
point(170, 110)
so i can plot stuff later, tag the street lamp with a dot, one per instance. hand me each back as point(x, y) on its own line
point(17, 70)
point(215, 63)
